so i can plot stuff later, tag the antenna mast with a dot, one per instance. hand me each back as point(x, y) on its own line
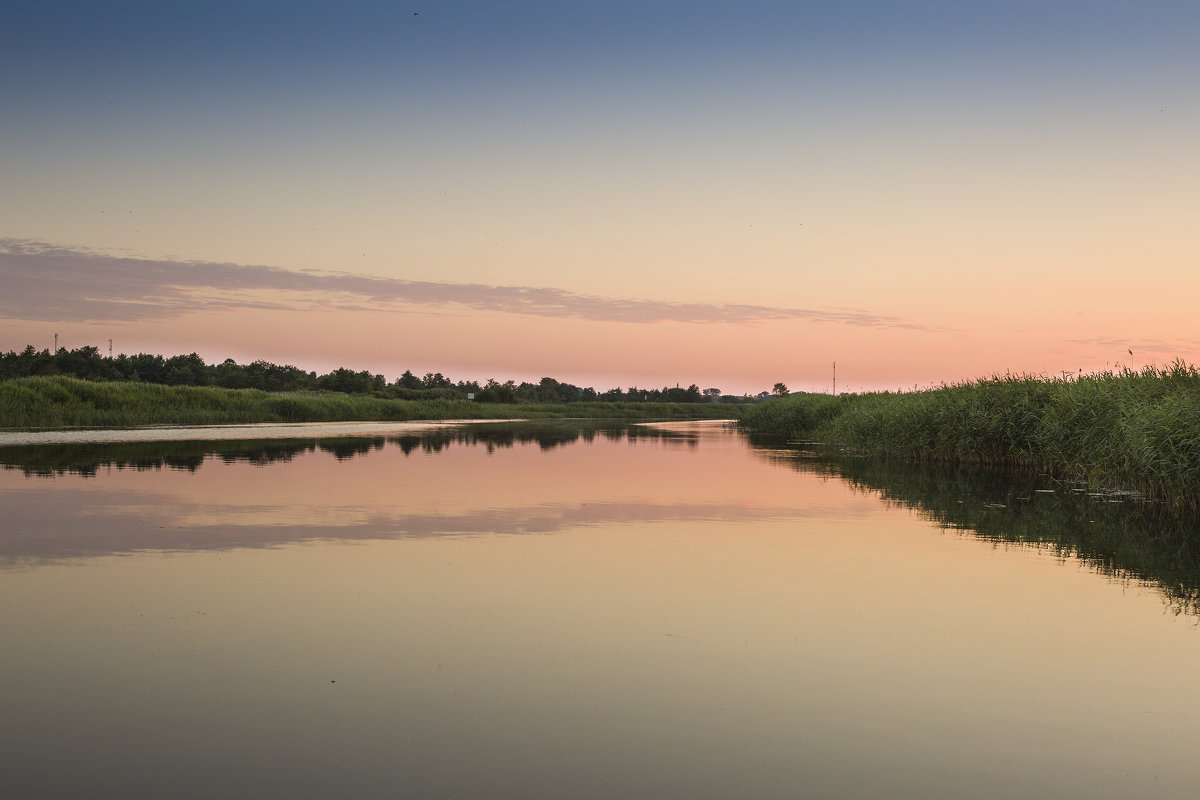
point(835, 379)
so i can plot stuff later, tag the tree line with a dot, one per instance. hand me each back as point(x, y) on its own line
point(191, 370)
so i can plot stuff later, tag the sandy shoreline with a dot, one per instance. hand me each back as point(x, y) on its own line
point(262, 430)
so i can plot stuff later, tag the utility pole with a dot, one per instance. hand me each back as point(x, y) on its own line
point(56, 344)
point(110, 349)
point(835, 379)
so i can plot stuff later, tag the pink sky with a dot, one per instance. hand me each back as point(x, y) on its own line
point(920, 195)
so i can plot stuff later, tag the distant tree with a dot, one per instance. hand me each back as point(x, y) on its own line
point(548, 391)
point(674, 394)
point(148, 368)
point(28, 362)
point(189, 370)
point(409, 381)
point(496, 392)
point(284, 377)
point(350, 382)
point(86, 363)
point(780, 390)
point(256, 374)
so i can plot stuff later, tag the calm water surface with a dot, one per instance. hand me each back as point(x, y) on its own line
point(592, 611)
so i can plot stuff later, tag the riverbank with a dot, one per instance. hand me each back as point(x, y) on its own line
point(1138, 430)
point(55, 402)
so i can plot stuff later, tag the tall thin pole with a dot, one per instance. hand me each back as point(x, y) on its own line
point(56, 343)
point(110, 349)
point(835, 378)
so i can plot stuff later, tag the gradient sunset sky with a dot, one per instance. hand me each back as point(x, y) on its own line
point(611, 194)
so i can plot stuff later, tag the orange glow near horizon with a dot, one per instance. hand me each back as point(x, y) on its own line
point(984, 191)
point(737, 358)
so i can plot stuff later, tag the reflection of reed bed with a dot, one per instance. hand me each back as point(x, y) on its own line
point(1116, 535)
point(49, 402)
point(1129, 429)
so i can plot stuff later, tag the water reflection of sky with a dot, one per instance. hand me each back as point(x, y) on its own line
point(114, 497)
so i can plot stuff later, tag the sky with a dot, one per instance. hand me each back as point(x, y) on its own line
point(611, 194)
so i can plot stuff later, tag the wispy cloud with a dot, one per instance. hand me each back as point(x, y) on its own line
point(50, 283)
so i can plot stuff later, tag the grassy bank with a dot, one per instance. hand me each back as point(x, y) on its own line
point(1136, 430)
point(52, 402)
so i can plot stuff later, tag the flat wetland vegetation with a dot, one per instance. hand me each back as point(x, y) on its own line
point(1137, 431)
point(59, 401)
point(1131, 430)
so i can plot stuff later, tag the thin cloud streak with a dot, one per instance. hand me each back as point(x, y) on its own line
point(46, 282)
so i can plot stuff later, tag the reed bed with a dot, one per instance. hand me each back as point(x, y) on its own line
point(1138, 430)
point(59, 401)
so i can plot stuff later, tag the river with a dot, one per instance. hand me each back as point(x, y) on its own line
point(578, 610)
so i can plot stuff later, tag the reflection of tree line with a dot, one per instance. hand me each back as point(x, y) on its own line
point(88, 459)
point(1117, 536)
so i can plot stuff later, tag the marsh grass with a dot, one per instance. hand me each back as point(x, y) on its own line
point(1134, 429)
point(58, 401)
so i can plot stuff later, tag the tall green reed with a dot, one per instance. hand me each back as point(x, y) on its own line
point(1138, 429)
